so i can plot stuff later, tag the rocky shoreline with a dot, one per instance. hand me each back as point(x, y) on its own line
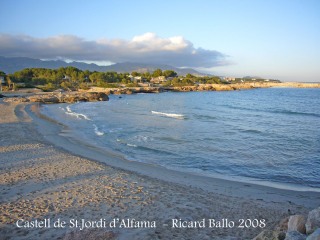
point(197, 88)
point(101, 94)
point(60, 97)
point(203, 87)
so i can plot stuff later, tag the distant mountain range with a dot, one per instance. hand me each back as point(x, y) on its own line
point(11, 65)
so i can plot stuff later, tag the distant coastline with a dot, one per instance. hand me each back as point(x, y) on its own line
point(204, 87)
point(37, 95)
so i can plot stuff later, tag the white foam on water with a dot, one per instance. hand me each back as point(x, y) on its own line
point(77, 115)
point(171, 115)
point(141, 138)
point(96, 131)
point(131, 145)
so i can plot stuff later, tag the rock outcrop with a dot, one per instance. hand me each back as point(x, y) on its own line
point(295, 227)
point(297, 223)
point(313, 221)
point(196, 88)
point(118, 91)
point(61, 97)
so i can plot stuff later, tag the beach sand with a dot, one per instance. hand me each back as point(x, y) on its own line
point(44, 175)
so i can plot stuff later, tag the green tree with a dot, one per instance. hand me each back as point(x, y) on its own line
point(135, 74)
point(187, 82)
point(189, 75)
point(95, 77)
point(157, 73)
point(66, 85)
point(175, 82)
point(169, 73)
point(146, 76)
point(111, 77)
point(81, 77)
point(24, 75)
point(125, 81)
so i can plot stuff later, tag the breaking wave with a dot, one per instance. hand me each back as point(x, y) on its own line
point(131, 145)
point(96, 131)
point(171, 115)
point(77, 115)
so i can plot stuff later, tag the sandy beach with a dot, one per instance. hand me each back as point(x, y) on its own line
point(49, 178)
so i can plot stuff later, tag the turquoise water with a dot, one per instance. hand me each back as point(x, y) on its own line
point(262, 135)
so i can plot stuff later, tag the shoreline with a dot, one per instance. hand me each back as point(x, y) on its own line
point(45, 175)
point(204, 87)
point(101, 94)
point(118, 159)
point(55, 135)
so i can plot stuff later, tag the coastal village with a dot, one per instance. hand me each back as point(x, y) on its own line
point(162, 80)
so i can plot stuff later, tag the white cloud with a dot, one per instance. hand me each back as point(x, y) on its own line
point(148, 48)
point(151, 42)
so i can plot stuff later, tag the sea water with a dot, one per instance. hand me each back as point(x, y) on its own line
point(263, 135)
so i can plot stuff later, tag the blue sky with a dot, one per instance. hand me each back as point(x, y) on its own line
point(272, 39)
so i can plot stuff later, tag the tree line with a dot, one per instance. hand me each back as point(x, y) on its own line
point(72, 78)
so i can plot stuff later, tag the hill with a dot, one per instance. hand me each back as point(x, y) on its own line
point(11, 65)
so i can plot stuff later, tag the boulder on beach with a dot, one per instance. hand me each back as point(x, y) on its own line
point(313, 221)
point(297, 223)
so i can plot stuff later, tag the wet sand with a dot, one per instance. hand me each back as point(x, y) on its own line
point(44, 175)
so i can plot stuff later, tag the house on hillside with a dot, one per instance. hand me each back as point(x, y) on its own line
point(157, 80)
point(136, 79)
point(229, 79)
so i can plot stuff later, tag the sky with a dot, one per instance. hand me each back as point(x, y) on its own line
point(277, 39)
